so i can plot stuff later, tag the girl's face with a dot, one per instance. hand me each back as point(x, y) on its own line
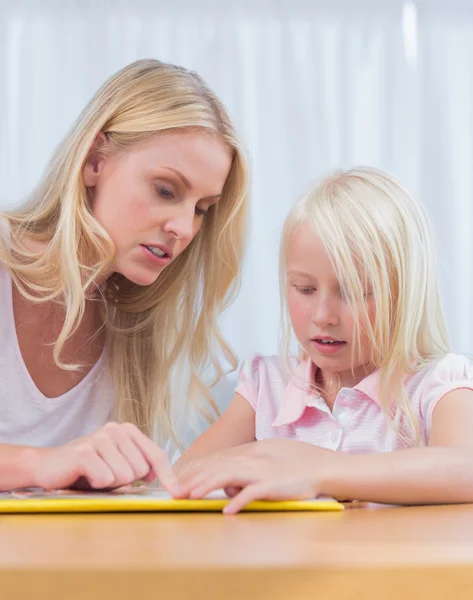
point(152, 198)
point(322, 320)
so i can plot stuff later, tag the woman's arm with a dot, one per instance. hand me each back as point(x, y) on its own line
point(113, 456)
point(18, 465)
point(235, 427)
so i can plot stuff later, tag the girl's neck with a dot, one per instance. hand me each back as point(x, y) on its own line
point(330, 383)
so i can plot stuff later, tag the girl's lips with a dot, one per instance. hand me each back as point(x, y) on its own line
point(326, 348)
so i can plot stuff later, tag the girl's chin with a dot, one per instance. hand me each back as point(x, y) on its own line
point(331, 362)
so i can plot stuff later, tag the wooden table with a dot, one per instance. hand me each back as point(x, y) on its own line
point(363, 553)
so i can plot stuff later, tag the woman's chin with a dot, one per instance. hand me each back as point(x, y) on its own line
point(142, 277)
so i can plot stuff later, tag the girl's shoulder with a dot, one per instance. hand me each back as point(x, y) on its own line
point(450, 368)
point(437, 379)
point(258, 364)
point(264, 375)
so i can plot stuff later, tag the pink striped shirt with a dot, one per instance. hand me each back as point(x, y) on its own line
point(285, 406)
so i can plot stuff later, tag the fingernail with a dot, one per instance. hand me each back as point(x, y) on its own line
point(176, 489)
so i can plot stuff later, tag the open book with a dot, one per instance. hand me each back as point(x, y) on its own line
point(139, 499)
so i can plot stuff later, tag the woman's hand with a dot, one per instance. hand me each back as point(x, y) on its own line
point(113, 456)
point(273, 469)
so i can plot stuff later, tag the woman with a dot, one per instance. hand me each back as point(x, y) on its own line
point(112, 277)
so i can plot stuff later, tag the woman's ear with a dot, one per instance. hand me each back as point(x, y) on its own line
point(94, 163)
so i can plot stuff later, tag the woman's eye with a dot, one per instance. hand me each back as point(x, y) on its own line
point(200, 212)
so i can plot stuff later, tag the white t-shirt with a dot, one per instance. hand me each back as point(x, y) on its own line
point(27, 416)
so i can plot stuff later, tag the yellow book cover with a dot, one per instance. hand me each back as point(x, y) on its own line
point(140, 499)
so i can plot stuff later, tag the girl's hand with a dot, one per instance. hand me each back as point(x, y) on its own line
point(113, 456)
point(273, 469)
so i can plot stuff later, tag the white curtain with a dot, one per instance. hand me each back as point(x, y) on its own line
point(312, 85)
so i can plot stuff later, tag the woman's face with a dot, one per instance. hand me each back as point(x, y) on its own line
point(153, 197)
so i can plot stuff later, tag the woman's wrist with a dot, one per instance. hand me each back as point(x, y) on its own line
point(27, 465)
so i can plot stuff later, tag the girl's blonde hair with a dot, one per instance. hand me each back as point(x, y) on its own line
point(151, 331)
point(379, 241)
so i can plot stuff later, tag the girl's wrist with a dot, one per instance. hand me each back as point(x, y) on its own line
point(330, 474)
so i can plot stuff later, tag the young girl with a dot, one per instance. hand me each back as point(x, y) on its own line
point(375, 407)
point(112, 276)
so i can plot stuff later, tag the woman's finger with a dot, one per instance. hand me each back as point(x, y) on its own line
point(107, 450)
point(157, 459)
point(91, 466)
point(133, 455)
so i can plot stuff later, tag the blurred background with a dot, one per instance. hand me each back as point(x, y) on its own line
point(312, 85)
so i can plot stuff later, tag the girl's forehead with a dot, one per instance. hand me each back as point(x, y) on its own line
point(303, 237)
point(305, 244)
point(306, 253)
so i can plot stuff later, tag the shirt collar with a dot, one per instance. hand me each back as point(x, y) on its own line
point(299, 391)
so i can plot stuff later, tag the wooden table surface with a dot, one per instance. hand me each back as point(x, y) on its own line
point(382, 553)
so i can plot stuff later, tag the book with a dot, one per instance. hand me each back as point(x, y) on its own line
point(140, 499)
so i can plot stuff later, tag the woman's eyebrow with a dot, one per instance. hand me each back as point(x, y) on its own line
point(186, 182)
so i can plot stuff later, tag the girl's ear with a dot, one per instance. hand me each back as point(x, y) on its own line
point(95, 161)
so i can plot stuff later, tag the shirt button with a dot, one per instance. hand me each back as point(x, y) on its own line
point(335, 437)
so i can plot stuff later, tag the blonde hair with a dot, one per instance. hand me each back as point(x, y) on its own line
point(379, 241)
point(151, 331)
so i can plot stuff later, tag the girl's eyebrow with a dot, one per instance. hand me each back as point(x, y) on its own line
point(295, 273)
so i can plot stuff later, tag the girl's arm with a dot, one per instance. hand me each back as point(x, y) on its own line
point(440, 473)
point(235, 427)
point(286, 469)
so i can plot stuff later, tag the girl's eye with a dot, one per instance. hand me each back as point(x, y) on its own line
point(345, 296)
point(165, 193)
point(304, 290)
point(200, 212)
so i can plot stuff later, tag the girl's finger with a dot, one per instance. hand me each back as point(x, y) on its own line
point(220, 480)
point(269, 490)
point(256, 491)
point(232, 490)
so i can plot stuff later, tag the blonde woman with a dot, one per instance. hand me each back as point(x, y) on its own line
point(112, 276)
point(375, 407)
